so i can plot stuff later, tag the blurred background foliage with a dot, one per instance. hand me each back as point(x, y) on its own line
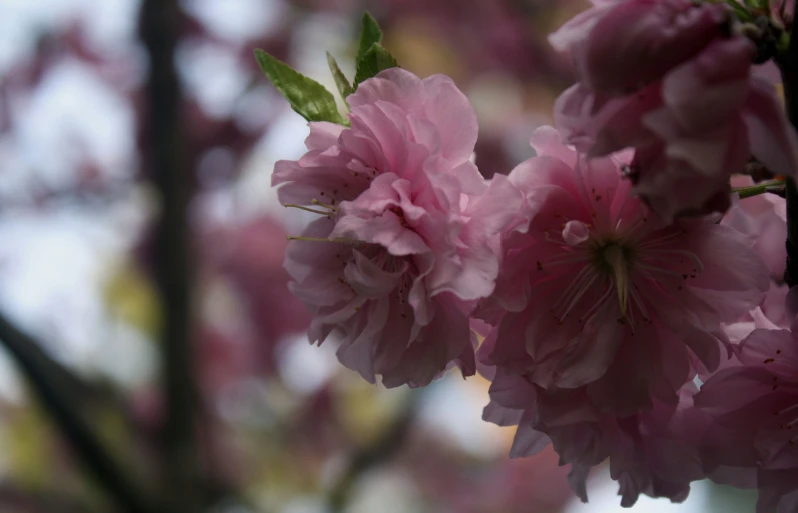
point(278, 425)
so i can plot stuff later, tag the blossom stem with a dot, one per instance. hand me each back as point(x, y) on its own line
point(760, 188)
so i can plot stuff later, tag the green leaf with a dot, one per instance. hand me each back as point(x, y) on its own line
point(742, 13)
point(375, 60)
point(369, 34)
point(306, 96)
point(341, 82)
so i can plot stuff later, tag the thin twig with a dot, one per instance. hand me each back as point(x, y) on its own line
point(62, 407)
point(167, 167)
point(375, 454)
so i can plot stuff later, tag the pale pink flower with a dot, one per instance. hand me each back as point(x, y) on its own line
point(596, 291)
point(621, 46)
point(408, 238)
point(655, 453)
point(691, 130)
point(763, 218)
point(754, 410)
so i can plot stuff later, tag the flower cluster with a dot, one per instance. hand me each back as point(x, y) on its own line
point(673, 80)
point(629, 303)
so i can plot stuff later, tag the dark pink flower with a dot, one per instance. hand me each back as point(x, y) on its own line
point(754, 410)
point(596, 291)
point(691, 130)
point(408, 238)
point(763, 218)
point(654, 452)
point(621, 46)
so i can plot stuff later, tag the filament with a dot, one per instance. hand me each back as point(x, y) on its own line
point(307, 209)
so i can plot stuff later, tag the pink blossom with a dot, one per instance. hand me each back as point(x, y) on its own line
point(251, 256)
point(754, 410)
point(763, 218)
point(691, 130)
point(408, 238)
point(621, 46)
point(595, 291)
point(654, 453)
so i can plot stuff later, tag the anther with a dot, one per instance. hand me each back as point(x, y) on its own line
point(324, 205)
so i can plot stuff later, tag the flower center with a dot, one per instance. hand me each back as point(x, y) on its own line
point(614, 260)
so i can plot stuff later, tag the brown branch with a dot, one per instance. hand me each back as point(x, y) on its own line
point(376, 454)
point(788, 64)
point(51, 384)
point(167, 167)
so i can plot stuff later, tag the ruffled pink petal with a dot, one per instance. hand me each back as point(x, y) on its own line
point(773, 139)
point(638, 41)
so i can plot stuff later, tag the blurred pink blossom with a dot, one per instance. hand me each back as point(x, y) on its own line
point(408, 238)
point(251, 255)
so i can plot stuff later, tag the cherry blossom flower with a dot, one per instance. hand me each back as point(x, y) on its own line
point(408, 235)
point(754, 410)
point(655, 453)
point(623, 45)
point(596, 291)
point(691, 130)
point(764, 219)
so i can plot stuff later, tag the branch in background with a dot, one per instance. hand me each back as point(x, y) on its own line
point(46, 383)
point(788, 64)
point(375, 454)
point(166, 165)
point(17, 499)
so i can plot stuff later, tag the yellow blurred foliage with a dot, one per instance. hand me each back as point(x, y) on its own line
point(366, 410)
point(130, 297)
point(416, 46)
point(28, 447)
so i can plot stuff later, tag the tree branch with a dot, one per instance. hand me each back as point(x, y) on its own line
point(376, 454)
point(64, 411)
point(167, 167)
point(788, 64)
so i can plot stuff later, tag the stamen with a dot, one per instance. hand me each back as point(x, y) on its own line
point(317, 202)
point(791, 424)
point(339, 240)
point(307, 209)
point(787, 409)
point(579, 295)
point(689, 254)
point(658, 241)
point(574, 292)
point(583, 273)
point(639, 302)
point(549, 238)
point(569, 257)
point(655, 269)
point(598, 304)
point(632, 232)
